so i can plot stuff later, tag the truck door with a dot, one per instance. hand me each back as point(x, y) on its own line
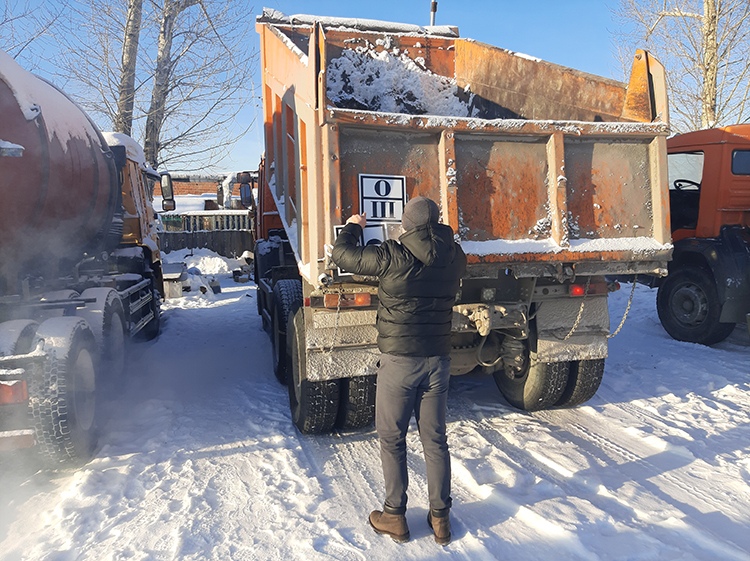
point(685, 179)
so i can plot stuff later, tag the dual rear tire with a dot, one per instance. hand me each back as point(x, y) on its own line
point(322, 406)
point(544, 385)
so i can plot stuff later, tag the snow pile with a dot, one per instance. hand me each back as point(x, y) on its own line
point(391, 82)
point(206, 261)
point(205, 271)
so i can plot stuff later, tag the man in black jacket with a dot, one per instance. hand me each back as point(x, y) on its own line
point(419, 277)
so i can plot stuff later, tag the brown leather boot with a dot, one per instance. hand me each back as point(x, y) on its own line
point(393, 525)
point(440, 523)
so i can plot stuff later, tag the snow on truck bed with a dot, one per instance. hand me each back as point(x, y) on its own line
point(392, 82)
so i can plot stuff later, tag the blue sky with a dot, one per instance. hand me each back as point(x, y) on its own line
point(574, 33)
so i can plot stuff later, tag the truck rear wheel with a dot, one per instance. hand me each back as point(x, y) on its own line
point(357, 406)
point(107, 321)
point(583, 382)
point(287, 298)
point(62, 396)
point(689, 308)
point(314, 405)
point(538, 386)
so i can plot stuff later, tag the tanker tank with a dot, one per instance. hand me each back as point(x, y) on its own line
point(58, 181)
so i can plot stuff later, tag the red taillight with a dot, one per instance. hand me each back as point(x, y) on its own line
point(13, 392)
point(577, 289)
point(350, 300)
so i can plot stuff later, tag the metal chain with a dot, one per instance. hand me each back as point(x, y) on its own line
point(335, 326)
point(627, 310)
point(583, 302)
point(580, 311)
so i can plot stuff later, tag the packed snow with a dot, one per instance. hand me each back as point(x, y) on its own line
point(199, 459)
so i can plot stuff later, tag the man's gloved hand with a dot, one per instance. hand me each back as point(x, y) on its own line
point(360, 219)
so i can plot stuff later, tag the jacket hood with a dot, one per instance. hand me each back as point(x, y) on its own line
point(431, 243)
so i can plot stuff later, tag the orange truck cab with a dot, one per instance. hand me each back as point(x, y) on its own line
point(707, 290)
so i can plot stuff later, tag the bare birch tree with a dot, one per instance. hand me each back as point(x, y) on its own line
point(178, 80)
point(126, 90)
point(705, 47)
point(200, 80)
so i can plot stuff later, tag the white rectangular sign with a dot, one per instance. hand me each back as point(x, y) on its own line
point(382, 197)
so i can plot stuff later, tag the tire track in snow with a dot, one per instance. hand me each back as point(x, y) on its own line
point(589, 487)
point(479, 488)
point(662, 469)
point(348, 483)
point(579, 464)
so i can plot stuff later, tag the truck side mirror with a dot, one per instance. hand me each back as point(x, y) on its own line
point(167, 192)
point(246, 196)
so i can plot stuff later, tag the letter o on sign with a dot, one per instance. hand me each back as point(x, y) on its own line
point(382, 188)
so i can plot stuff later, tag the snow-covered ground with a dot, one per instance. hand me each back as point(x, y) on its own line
point(199, 459)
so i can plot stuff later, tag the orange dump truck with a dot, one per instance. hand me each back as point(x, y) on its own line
point(551, 179)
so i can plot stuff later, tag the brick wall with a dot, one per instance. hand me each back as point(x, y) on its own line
point(193, 187)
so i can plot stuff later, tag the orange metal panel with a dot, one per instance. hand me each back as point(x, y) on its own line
point(646, 98)
point(502, 191)
point(534, 89)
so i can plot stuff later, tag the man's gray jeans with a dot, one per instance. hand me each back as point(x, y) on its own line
point(413, 385)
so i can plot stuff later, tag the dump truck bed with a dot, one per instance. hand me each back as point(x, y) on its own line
point(539, 168)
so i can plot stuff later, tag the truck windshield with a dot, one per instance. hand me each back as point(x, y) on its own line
point(685, 170)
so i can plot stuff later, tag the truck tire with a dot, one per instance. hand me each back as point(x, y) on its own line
point(689, 308)
point(357, 403)
point(314, 405)
point(539, 386)
point(287, 298)
point(583, 382)
point(17, 336)
point(62, 393)
point(106, 319)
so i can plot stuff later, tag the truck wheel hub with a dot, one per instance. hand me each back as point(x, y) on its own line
point(690, 305)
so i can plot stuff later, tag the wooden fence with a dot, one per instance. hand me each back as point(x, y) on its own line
point(228, 233)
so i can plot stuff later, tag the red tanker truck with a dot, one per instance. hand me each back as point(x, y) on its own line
point(80, 268)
